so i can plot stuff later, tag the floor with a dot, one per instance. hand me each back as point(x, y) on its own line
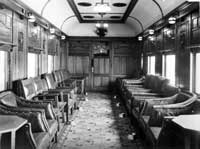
point(100, 123)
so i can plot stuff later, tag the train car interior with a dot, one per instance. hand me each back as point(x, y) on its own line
point(99, 74)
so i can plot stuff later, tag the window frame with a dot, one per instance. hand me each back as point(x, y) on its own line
point(149, 63)
point(164, 66)
point(193, 70)
point(53, 61)
point(37, 65)
point(5, 70)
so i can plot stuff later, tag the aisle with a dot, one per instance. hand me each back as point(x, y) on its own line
point(99, 125)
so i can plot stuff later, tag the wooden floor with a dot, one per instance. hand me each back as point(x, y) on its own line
point(99, 124)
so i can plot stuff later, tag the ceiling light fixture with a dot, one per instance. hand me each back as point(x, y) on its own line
point(102, 7)
point(101, 29)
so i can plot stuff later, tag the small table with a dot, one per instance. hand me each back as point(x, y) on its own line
point(190, 125)
point(11, 123)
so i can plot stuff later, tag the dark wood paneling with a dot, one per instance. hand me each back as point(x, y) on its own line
point(6, 25)
point(123, 60)
point(79, 47)
point(78, 64)
point(18, 56)
point(125, 65)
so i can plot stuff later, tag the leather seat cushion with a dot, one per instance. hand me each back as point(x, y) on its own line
point(156, 131)
point(71, 102)
point(42, 139)
point(53, 126)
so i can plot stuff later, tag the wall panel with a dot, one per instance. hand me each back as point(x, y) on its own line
point(122, 60)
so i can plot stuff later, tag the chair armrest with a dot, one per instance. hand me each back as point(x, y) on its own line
point(169, 106)
point(146, 94)
point(38, 105)
point(34, 117)
point(58, 90)
point(49, 98)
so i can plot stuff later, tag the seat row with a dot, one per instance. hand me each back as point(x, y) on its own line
point(151, 100)
point(42, 100)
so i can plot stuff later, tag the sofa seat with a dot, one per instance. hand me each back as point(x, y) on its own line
point(156, 131)
point(53, 125)
point(42, 139)
point(146, 118)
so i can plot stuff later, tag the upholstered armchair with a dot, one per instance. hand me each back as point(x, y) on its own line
point(40, 115)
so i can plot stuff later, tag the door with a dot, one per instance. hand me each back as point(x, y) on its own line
point(101, 73)
point(100, 66)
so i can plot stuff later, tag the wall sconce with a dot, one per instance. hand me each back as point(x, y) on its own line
point(63, 37)
point(151, 31)
point(31, 17)
point(51, 36)
point(52, 30)
point(151, 38)
point(140, 38)
point(172, 20)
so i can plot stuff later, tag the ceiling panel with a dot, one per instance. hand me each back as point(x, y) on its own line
point(147, 12)
point(36, 5)
point(60, 12)
point(90, 9)
point(57, 11)
point(118, 7)
point(106, 17)
point(169, 5)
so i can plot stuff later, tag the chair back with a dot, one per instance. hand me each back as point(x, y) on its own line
point(29, 88)
point(50, 81)
point(8, 98)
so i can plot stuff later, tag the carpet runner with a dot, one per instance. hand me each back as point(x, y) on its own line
point(100, 123)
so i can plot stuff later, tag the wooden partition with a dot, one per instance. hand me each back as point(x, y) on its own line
point(120, 58)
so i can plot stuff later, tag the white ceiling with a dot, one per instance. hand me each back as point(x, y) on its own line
point(59, 13)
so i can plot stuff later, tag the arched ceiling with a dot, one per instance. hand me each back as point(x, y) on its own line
point(133, 17)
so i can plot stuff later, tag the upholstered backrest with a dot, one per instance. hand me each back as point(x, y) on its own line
point(169, 90)
point(50, 81)
point(8, 98)
point(147, 81)
point(38, 85)
point(57, 76)
point(28, 88)
point(182, 97)
point(157, 83)
point(44, 85)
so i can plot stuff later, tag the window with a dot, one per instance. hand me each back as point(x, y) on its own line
point(32, 65)
point(169, 67)
point(50, 63)
point(142, 61)
point(195, 72)
point(3, 70)
point(151, 64)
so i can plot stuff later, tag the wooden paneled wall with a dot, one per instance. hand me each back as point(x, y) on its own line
point(183, 38)
point(18, 37)
point(123, 60)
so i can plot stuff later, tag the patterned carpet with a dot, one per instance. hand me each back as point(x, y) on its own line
point(100, 123)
